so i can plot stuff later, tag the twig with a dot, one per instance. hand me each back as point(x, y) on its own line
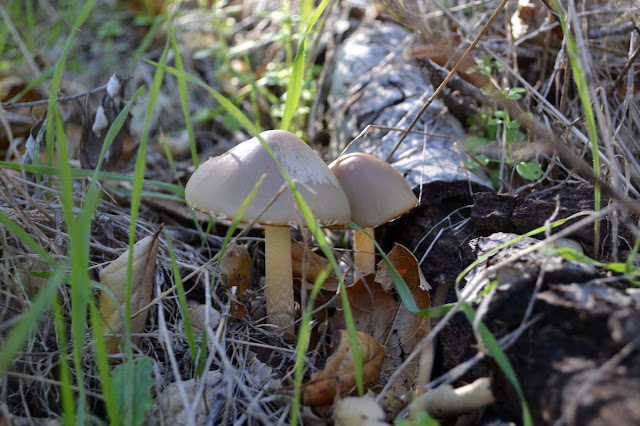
point(453, 71)
point(11, 105)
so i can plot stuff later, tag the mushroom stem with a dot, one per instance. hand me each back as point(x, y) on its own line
point(279, 290)
point(364, 252)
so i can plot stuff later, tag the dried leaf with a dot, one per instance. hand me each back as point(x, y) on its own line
point(408, 328)
point(235, 268)
point(235, 272)
point(359, 411)
point(407, 266)
point(114, 277)
point(197, 317)
point(373, 308)
point(377, 312)
point(316, 264)
point(339, 370)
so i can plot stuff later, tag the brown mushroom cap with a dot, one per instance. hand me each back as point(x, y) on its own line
point(222, 183)
point(376, 191)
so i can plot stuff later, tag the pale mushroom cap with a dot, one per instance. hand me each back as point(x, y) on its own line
point(222, 183)
point(376, 191)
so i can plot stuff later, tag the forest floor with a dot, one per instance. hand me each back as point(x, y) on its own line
point(526, 273)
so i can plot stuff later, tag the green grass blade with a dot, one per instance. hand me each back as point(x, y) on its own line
point(78, 255)
point(146, 41)
point(136, 195)
point(102, 362)
point(294, 88)
point(57, 77)
point(182, 298)
point(115, 127)
point(182, 91)
point(20, 333)
point(35, 83)
point(503, 362)
point(22, 235)
point(583, 92)
point(68, 401)
point(117, 177)
point(304, 335)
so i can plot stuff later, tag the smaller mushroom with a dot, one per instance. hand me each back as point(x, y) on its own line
point(377, 194)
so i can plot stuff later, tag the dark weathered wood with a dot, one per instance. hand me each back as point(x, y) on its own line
point(493, 212)
point(578, 359)
point(373, 83)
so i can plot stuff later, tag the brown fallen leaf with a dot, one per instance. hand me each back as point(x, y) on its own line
point(235, 268)
point(408, 328)
point(407, 266)
point(377, 312)
point(197, 317)
point(316, 264)
point(373, 308)
point(235, 272)
point(322, 387)
point(114, 277)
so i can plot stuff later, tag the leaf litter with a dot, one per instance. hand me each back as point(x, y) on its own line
point(255, 361)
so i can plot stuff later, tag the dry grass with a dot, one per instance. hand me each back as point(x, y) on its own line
point(256, 364)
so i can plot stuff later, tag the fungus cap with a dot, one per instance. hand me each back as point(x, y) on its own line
point(376, 191)
point(221, 184)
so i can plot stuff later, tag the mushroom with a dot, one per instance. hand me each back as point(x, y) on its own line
point(221, 184)
point(377, 194)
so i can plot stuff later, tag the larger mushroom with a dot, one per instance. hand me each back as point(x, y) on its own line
point(377, 194)
point(221, 184)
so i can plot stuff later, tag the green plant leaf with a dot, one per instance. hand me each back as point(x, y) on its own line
point(575, 256)
point(529, 170)
point(421, 418)
point(142, 382)
point(515, 93)
point(475, 143)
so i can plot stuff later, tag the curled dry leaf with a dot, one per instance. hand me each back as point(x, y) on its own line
point(235, 272)
point(408, 328)
point(407, 266)
point(377, 312)
point(114, 277)
point(316, 264)
point(359, 411)
point(235, 268)
point(339, 370)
